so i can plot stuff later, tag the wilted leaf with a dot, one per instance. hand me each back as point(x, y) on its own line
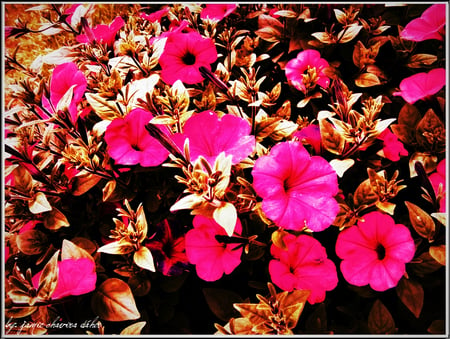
point(220, 302)
point(133, 329)
point(32, 242)
point(421, 221)
point(113, 301)
point(380, 319)
point(226, 216)
point(144, 259)
point(411, 294)
point(55, 219)
point(438, 254)
point(39, 204)
point(367, 80)
point(420, 60)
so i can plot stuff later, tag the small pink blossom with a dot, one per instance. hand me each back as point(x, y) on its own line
point(210, 135)
point(296, 69)
point(129, 143)
point(65, 76)
point(75, 277)
point(184, 54)
point(103, 34)
point(297, 189)
point(430, 25)
point(155, 16)
point(375, 251)
point(211, 257)
point(217, 11)
point(311, 135)
point(304, 265)
point(439, 178)
point(392, 147)
point(421, 85)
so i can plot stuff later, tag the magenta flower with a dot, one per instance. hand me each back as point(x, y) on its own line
point(375, 251)
point(65, 76)
point(217, 11)
point(103, 34)
point(439, 178)
point(430, 25)
point(297, 189)
point(311, 135)
point(211, 257)
point(304, 265)
point(421, 85)
point(210, 135)
point(129, 143)
point(306, 70)
point(155, 16)
point(75, 277)
point(168, 251)
point(184, 54)
point(392, 147)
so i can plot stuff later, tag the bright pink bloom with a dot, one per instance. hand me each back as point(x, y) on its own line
point(304, 265)
point(168, 250)
point(437, 178)
point(210, 135)
point(421, 85)
point(430, 25)
point(65, 76)
point(155, 16)
point(392, 147)
point(375, 251)
point(184, 54)
point(309, 59)
point(211, 257)
point(75, 277)
point(103, 34)
point(297, 189)
point(217, 11)
point(311, 135)
point(129, 143)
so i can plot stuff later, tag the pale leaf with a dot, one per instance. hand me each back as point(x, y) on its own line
point(144, 259)
point(226, 216)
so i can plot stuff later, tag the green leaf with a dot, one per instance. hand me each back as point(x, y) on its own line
point(438, 254)
point(421, 221)
point(380, 319)
point(144, 259)
point(220, 302)
point(411, 294)
point(39, 204)
point(133, 329)
point(114, 301)
point(32, 242)
point(226, 216)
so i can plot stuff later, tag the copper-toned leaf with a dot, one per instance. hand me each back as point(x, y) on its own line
point(317, 320)
point(113, 301)
point(256, 313)
point(441, 217)
point(367, 80)
point(421, 60)
point(292, 304)
point(364, 194)
point(105, 109)
point(380, 319)
point(83, 182)
point(140, 284)
point(144, 259)
point(277, 238)
point(134, 329)
point(121, 246)
point(19, 312)
point(69, 250)
point(438, 254)
point(429, 162)
point(411, 294)
point(437, 327)
point(86, 244)
point(32, 242)
point(332, 140)
point(424, 264)
point(348, 33)
point(220, 302)
point(49, 278)
point(163, 119)
point(55, 219)
point(39, 204)
point(386, 206)
point(422, 222)
point(431, 124)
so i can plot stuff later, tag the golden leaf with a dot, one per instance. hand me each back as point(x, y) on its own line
point(133, 329)
point(32, 242)
point(69, 250)
point(55, 219)
point(438, 254)
point(49, 278)
point(421, 221)
point(226, 216)
point(367, 80)
point(144, 259)
point(39, 204)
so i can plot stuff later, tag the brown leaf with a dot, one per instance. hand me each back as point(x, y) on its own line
point(133, 329)
point(348, 33)
point(144, 259)
point(55, 219)
point(420, 60)
point(332, 140)
point(411, 294)
point(437, 327)
point(39, 204)
point(438, 254)
point(424, 264)
point(380, 319)
point(69, 250)
point(19, 312)
point(422, 222)
point(367, 80)
point(32, 242)
point(113, 301)
point(83, 182)
point(49, 278)
point(220, 302)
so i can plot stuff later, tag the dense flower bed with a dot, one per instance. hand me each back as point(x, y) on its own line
point(225, 169)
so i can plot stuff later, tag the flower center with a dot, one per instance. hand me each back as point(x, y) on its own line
point(189, 58)
point(135, 147)
point(381, 252)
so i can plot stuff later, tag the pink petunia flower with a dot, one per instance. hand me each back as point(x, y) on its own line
point(75, 277)
point(129, 143)
point(217, 11)
point(392, 147)
point(375, 251)
point(210, 135)
point(211, 257)
point(311, 135)
point(184, 54)
point(421, 85)
point(306, 70)
point(439, 178)
point(297, 189)
point(430, 25)
point(103, 34)
point(304, 265)
point(169, 251)
point(155, 16)
point(65, 76)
